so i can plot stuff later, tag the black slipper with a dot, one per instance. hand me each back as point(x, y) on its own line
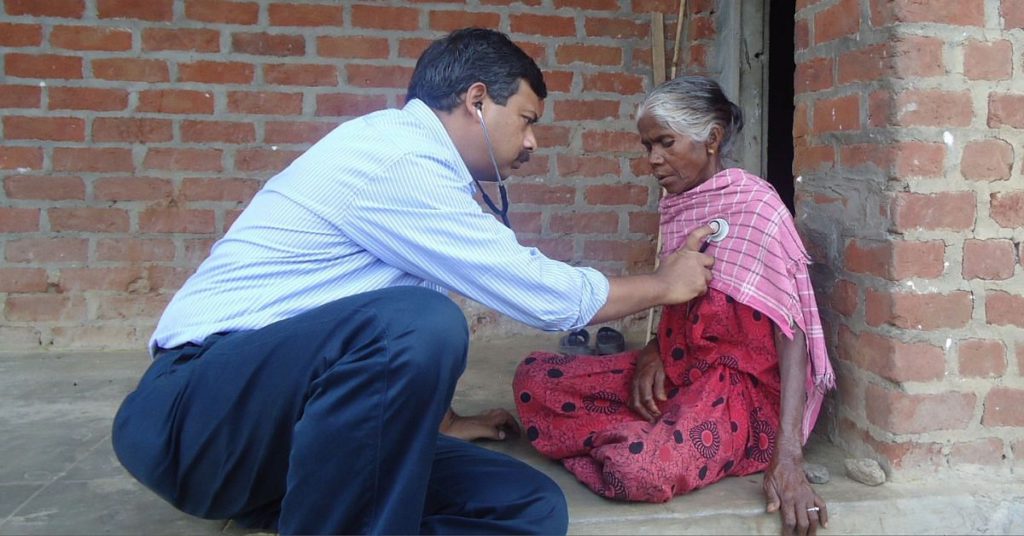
point(576, 342)
point(609, 341)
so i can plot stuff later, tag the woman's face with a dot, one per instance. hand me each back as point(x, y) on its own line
point(679, 162)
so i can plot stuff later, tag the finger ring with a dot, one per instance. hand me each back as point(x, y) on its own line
point(813, 509)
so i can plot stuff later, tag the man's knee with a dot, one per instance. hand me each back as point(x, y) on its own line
point(549, 512)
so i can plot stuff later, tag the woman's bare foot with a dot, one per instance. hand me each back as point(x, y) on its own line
point(492, 424)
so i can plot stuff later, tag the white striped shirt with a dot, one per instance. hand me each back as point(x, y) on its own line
point(382, 200)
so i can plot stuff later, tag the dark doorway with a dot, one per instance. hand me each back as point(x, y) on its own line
point(781, 67)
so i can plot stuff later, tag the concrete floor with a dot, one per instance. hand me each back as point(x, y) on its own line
point(58, 474)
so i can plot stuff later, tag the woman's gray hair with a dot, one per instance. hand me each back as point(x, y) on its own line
point(691, 105)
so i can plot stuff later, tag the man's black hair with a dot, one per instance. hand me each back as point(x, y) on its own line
point(464, 57)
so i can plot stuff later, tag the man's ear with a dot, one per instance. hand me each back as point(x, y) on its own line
point(476, 95)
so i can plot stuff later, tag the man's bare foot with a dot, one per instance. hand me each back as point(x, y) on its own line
point(492, 424)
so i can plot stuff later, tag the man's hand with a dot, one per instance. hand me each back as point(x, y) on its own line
point(491, 424)
point(648, 384)
point(686, 273)
point(788, 492)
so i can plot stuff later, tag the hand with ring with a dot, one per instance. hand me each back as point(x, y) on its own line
point(788, 492)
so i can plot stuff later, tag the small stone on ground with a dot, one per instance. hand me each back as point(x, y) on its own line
point(865, 471)
point(817, 473)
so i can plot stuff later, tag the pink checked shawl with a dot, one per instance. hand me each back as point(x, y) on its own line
point(761, 263)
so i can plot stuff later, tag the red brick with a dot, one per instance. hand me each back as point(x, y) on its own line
point(593, 5)
point(264, 102)
point(589, 54)
point(542, 194)
point(892, 359)
point(619, 83)
point(108, 278)
point(647, 6)
point(702, 28)
point(264, 159)
point(131, 69)
point(304, 132)
point(43, 66)
point(229, 218)
point(1004, 309)
point(44, 128)
point(446, 21)
point(407, 48)
point(305, 15)
point(925, 311)
point(98, 220)
point(15, 96)
point(44, 187)
point(44, 308)
point(132, 189)
point(615, 28)
point(901, 413)
point(71, 9)
point(217, 131)
point(85, 98)
point(844, 297)
point(238, 190)
point(546, 25)
point(896, 260)
point(539, 165)
point(1004, 407)
point(22, 280)
point(176, 220)
point(1006, 110)
point(47, 250)
point(979, 452)
point(814, 75)
point(134, 250)
point(393, 76)
point(919, 159)
point(643, 222)
point(880, 109)
point(554, 248)
point(19, 220)
point(296, 74)
point(839, 20)
point(91, 38)
point(558, 81)
point(167, 278)
point(1007, 208)
point(628, 251)
point(175, 101)
point(918, 56)
point(982, 359)
point(802, 34)
point(842, 113)
point(813, 158)
point(988, 60)
point(356, 47)
point(586, 110)
point(877, 306)
point(153, 10)
point(197, 250)
point(131, 130)
point(346, 104)
point(934, 108)
point(617, 194)
point(862, 65)
point(596, 141)
point(216, 72)
point(1012, 12)
point(220, 11)
point(92, 159)
point(954, 12)
point(183, 159)
point(21, 157)
point(587, 166)
point(387, 18)
point(858, 155)
point(130, 307)
point(1020, 357)
point(989, 259)
point(537, 51)
point(184, 39)
point(951, 210)
point(574, 223)
point(20, 35)
point(552, 136)
point(265, 44)
point(526, 222)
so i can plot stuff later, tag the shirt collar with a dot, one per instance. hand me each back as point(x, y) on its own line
point(426, 116)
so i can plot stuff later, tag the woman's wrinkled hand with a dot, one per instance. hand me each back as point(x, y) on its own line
point(494, 423)
point(648, 385)
point(788, 492)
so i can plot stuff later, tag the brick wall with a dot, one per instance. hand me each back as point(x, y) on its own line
point(909, 132)
point(134, 132)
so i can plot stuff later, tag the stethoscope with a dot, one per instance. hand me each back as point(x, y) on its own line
point(503, 212)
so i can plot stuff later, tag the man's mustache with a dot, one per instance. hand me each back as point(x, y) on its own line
point(524, 157)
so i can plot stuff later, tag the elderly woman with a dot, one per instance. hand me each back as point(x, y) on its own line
point(733, 382)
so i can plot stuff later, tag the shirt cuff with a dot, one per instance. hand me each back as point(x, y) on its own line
point(595, 295)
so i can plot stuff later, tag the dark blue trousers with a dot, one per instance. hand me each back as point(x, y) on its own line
point(327, 423)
